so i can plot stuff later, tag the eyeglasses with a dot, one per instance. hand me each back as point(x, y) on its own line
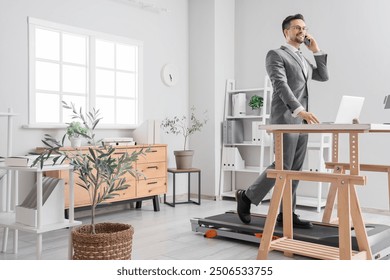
point(299, 28)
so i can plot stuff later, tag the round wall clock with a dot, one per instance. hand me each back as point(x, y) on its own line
point(170, 75)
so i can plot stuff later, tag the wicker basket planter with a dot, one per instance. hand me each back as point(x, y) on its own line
point(112, 241)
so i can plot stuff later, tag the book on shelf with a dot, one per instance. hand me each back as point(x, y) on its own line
point(52, 211)
point(232, 160)
point(119, 141)
point(233, 131)
point(28, 160)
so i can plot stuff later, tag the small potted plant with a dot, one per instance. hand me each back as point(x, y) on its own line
point(256, 103)
point(102, 173)
point(75, 132)
point(186, 127)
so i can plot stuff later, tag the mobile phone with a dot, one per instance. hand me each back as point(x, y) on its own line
point(306, 41)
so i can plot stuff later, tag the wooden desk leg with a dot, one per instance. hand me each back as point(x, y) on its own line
point(358, 223)
point(270, 222)
point(331, 198)
point(343, 205)
point(287, 214)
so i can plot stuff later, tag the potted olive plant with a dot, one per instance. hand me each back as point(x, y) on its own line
point(76, 131)
point(256, 103)
point(101, 173)
point(185, 127)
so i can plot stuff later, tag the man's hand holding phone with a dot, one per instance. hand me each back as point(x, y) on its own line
point(311, 43)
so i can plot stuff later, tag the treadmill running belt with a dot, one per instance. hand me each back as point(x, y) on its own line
point(326, 234)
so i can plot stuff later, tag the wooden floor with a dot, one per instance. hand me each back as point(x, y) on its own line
point(167, 234)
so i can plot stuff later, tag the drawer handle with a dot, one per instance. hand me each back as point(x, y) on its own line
point(152, 167)
point(153, 151)
point(151, 183)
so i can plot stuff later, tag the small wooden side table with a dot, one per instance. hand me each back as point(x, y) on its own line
point(175, 171)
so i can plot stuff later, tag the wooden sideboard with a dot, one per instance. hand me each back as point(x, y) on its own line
point(153, 165)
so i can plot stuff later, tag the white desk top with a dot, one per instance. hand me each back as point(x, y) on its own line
point(36, 169)
point(327, 127)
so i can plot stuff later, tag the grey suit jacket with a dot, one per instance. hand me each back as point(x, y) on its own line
point(290, 85)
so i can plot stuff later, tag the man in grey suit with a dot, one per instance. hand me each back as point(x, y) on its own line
point(289, 73)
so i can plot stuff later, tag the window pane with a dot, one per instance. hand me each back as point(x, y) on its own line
point(125, 111)
point(104, 54)
point(47, 44)
point(79, 101)
point(74, 49)
point(107, 109)
point(105, 82)
point(125, 57)
point(125, 84)
point(74, 79)
point(47, 108)
point(47, 76)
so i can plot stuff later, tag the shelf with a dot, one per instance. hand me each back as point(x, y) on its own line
point(247, 117)
point(248, 90)
point(311, 250)
point(8, 220)
point(229, 194)
point(310, 201)
point(317, 145)
point(35, 169)
point(232, 194)
point(246, 144)
point(7, 114)
point(249, 169)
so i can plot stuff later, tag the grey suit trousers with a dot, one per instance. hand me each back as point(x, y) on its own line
point(294, 152)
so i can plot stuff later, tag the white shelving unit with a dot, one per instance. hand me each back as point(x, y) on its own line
point(5, 192)
point(256, 154)
point(11, 183)
point(7, 218)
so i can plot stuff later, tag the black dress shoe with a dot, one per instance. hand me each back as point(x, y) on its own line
point(298, 223)
point(243, 207)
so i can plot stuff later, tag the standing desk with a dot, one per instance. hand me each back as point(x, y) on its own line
point(342, 184)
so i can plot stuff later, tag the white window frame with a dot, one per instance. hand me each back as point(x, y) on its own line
point(92, 37)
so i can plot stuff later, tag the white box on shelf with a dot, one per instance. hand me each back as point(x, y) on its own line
point(259, 134)
point(232, 159)
point(256, 133)
point(239, 104)
point(53, 207)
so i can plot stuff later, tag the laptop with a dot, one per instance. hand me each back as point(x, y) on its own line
point(349, 109)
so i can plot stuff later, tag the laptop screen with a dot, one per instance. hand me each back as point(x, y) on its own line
point(349, 109)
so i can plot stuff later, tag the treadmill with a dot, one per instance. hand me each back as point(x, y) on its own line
point(229, 225)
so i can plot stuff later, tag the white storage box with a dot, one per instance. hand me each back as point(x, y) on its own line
point(232, 159)
point(53, 204)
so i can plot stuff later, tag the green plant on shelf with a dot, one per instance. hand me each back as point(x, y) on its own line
point(256, 102)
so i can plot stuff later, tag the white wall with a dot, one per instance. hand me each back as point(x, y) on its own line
point(354, 34)
point(165, 38)
point(211, 62)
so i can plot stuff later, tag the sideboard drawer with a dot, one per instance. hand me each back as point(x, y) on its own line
point(152, 169)
point(148, 187)
point(155, 154)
